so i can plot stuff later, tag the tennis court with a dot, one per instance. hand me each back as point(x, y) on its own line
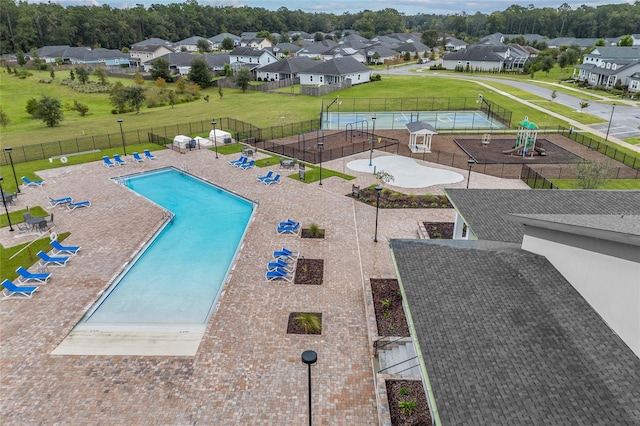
point(441, 120)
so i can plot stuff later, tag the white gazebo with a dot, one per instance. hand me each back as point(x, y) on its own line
point(420, 129)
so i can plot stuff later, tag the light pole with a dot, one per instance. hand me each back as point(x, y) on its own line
point(8, 150)
point(215, 140)
point(337, 99)
point(124, 147)
point(470, 162)
point(481, 100)
point(309, 358)
point(378, 191)
point(613, 107)
point(320, 146)
point(373, 135)
point(4, 201)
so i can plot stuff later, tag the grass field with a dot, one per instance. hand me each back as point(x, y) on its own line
point(254, 107)
point(629, 184)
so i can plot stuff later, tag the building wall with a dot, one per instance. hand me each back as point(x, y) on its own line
point(610, 284)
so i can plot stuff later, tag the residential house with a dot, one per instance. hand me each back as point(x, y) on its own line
point(487, 58)
point(50, 54)
point(453, 44)
point(546, 287)
point(282, 50)
point(336, 71)
point(155, 41)
point(316, 50)
point(83, 55)
point(140, 54)
point(257, 43)
point(634, 83)
point(378, 54)
point(217, 40)
point(342, 51)
point(180, 62)
point(284, 69)
point(412, 47)
point(249, 57)
point(191, 44)
point(604, 66)
point(583, 43)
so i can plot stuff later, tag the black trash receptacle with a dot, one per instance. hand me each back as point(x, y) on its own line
point(192, 144)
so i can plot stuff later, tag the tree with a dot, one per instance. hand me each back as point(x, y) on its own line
point(309, 321)
point(32, 107)
point(52, 74)
point(406, 56)
point(600, 42)
point(546, 64)
point(243, 78)
point(82, 74)
point(49, 110)
point(4, 119)
point(200, 73)
point(554, 95)
point(318, 36)
point(227, 43)
point(101, 74)
point(203, 46)
point(135, 97)
point(21, 58)
point(583, 105)
point(81, 108)
point(593, 174)
point(430, 38)
point(227, 71)
point(626, 41)
point(138, 79)
point(160, 69)
point(118, 97)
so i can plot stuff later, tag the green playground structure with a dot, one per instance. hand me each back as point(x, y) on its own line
point(526, 140)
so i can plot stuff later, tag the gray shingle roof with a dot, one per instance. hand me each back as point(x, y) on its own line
point(338, 66)
point(484, 210)
point(476, 53)
point(506, 340)
point(290, 65)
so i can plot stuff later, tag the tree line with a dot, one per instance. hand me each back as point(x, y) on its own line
point(25, 26)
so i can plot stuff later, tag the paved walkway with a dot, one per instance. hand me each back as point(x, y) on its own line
point(247, 370)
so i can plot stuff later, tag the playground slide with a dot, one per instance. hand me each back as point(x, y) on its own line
point(512, 150)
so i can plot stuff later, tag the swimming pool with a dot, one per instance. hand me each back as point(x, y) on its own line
point(178, 277)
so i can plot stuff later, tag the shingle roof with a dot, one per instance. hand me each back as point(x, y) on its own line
point(246, 51)
point(338, 66)
point(484, 210)
point(289, 65)
point(506, 340)
point(476, 53)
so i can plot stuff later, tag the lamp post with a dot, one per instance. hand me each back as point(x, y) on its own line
point(309, 358)
point(470, 162)
point(215, 140)
point(337, 99)
point(4, 201)
point(481, 100)
point(613, 107)
point(373, 135)
point(124, 147)
point(320, 147)
point(8, 151)
point(378, 191)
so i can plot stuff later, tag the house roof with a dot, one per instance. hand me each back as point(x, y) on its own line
point(614, 52)
point(420, 126)
point(153, 41)
point(219, 38)
point(289, 65)
point(507, 340)
point(484, 210)
point(476, 53)
point(247, 51)
point(338, 66)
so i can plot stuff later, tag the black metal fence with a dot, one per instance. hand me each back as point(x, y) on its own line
point(608, 150)
point(534, 179)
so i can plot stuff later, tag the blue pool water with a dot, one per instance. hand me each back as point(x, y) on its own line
point(178, 278)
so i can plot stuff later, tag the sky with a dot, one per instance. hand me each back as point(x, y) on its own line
point(338, 7)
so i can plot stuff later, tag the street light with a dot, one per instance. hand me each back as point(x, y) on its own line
point(337, 99)
point(4, 201)
point(215, 141)
point(124, 147)
point(8, 150)
point(373, 135)
point(378, 191)
point(320, 146)
point(470, 162)
point(613, 107)
point(481, 100)
point(309, 358)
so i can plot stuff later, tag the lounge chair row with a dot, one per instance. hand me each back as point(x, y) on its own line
point(117, 160)
point(68, 201)
point(288, 227)
point(269, 178)
point(22, 291)
point(282, 266)
point(31, 183)
point(243, 163)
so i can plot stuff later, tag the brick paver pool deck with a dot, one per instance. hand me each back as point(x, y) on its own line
point(247, 370)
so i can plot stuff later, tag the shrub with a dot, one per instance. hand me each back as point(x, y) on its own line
point(408, 407)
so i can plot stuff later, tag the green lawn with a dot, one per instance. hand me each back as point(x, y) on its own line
point(632, 184)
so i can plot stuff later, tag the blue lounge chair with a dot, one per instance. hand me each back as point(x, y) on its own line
point(275, 179)
point(137, 157)
point(60, 249)
point(288, 222)
point(12, 291)
point(239, 161)
point(149, 155)
point(285, 254)
point(289, 229)
point(46, 260)
point(278, 274)
point(55, 201)
point(107, 161)
point(269, 175)
point(248, 165)
point(26, 276)
point(279, 263)
point(72, 206)
point(29, 182)
point(119, 161)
